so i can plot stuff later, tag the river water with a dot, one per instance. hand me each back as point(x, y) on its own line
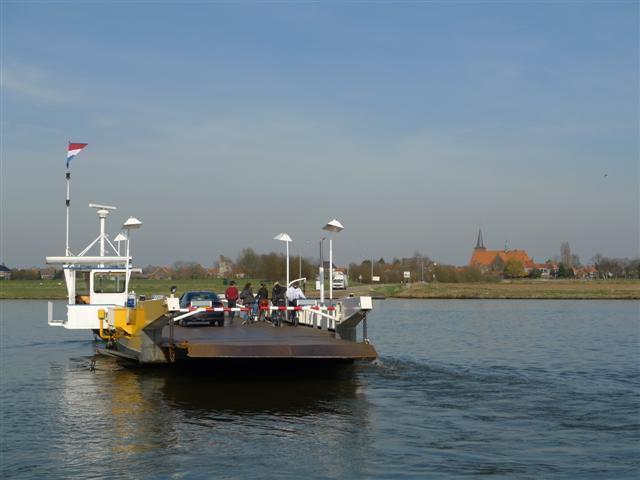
point(503, 389)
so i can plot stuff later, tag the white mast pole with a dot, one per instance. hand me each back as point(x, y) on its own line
point(102, 214)
point(330, 267)
point(321, 273)
point(66, 251)
point(126, 274)
point(287, 264)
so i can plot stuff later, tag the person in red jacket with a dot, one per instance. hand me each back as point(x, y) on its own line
point(231, 294)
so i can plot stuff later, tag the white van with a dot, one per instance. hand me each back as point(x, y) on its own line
point(340, 281)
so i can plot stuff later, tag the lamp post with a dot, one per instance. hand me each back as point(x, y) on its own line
point(321, 272)
point(121, 237)
point(131, 223)
point(333, 226)
point(284, 237)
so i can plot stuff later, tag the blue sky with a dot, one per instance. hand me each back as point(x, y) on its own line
point(220, 125)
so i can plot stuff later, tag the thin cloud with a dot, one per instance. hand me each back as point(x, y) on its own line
point(31, 82)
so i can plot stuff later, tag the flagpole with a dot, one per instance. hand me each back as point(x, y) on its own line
point(68, 176)
point(72, 150)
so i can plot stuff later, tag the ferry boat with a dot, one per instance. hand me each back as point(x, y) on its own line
point(153, 331)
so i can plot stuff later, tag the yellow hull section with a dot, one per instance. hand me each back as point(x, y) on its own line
point(131, 321)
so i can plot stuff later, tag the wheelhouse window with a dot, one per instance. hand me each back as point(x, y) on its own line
point(82, 282)
point(109, 282)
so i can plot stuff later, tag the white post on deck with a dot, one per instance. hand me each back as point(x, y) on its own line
point(102, 214)
point(334, 226)
point(284, 237)
point(321, 273)
point(130, 224)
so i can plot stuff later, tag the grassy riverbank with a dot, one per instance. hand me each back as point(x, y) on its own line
point(517, 289)
point(520, 289)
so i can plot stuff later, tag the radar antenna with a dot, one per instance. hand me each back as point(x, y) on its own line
point(102, 211)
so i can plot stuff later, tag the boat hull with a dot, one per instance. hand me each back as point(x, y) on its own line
point(242, 345)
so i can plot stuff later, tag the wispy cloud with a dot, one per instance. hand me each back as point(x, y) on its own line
point(31, 82)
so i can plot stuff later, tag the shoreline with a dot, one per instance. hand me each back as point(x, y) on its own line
point(505, 290)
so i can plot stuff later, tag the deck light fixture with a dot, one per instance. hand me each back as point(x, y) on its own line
point(131, 223)
point(121, 237)
point(333, 226)
point(284, 237)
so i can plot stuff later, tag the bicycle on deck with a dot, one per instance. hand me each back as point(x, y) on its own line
point(252, 313)
point(277, 316)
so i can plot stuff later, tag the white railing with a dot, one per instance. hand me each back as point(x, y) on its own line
point(316, 310)
point(50, 319)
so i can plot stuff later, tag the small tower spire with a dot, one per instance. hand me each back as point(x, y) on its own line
point(480, 243)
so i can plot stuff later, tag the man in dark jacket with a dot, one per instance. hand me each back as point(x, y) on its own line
point(263, 301)
point(278, 300)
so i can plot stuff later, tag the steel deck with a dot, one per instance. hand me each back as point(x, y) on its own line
point(261, 340)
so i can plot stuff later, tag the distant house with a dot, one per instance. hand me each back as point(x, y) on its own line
point(495, 260)
point(589, 272)
point(47, 273)
point(225, 267)
point(5, 273)
point(160, 273)
point(547, 270)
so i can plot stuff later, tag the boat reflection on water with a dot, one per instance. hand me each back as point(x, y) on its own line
point(142, 403)
point(298, 397)
point(131, 414)
point(277, 387)
point(120, 418)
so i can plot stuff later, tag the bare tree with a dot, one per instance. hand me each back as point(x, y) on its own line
point(565, 255)
point(575, 261)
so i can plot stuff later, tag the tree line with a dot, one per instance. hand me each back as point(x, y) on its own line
point(249, 264)
point(616, 267)
point(271, 267)
point(419, 268)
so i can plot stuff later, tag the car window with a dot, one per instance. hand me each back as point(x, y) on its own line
point(194, 296)
point(204, 296)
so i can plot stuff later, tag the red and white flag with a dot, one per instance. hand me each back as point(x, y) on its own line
point(74, 149)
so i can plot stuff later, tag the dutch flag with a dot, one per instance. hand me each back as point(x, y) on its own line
point(74, 149)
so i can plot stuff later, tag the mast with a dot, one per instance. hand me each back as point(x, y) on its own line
point(68, 203)
point(72, 150)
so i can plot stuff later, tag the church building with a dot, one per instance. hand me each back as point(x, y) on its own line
point(495, 260)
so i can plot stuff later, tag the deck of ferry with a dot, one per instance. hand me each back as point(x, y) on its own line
point(262, 340)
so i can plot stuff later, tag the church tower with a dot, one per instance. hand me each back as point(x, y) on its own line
point(480, 243)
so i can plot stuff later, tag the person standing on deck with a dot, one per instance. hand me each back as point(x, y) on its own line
point(293, 295)
point(263, 301)
point(247, 301)
point(231, 294)
point(278, 299)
